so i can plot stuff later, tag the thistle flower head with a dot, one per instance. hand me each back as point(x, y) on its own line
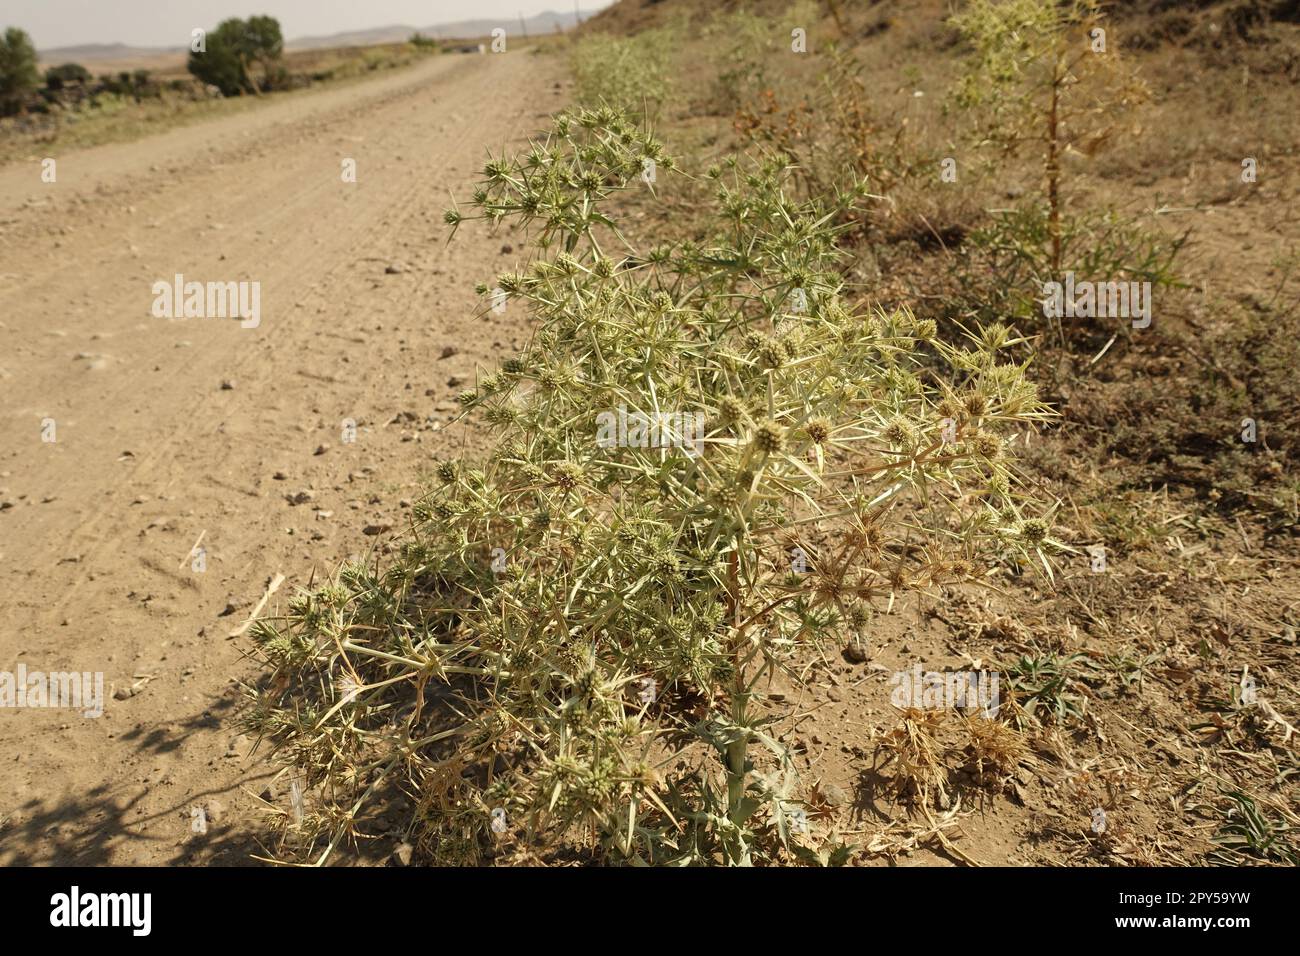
point(567, 474)
point(899, 432)
point(731, 409)
point(819, 430)
point(986, 445)
point(773, 353)
point(1034, 530)
point(769, 437)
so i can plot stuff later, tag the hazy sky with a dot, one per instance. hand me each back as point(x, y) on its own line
point(55, 23)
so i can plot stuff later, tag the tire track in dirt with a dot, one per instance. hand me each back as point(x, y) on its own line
point(258, 197)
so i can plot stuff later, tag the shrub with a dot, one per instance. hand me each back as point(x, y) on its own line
point(569, 655)
point(18, 74)
point(69, 74)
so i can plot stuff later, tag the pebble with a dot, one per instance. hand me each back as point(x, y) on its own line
point(832, 795)
point(216, 810)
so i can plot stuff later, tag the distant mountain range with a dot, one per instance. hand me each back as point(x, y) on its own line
point(547, 22)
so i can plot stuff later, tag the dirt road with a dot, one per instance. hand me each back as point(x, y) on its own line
point(165, 430)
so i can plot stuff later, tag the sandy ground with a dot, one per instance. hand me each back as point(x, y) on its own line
point(166, 430)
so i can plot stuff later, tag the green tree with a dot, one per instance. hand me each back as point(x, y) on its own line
point(233, 48)
point(18, 74)
point(263, 44)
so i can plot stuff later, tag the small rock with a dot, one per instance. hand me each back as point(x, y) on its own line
point(448, 351)
point(832, 795)
point(374, 529)
point(395, 269)
point(403, 854)
point(227, 384)
point(321, 449)
point(216, 810)
point(455, 381)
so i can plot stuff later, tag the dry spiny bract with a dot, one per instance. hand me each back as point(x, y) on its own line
point(620, 549)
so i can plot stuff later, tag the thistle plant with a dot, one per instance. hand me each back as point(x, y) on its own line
point(1042, 72)
point(628, 73)
point(833, 133)
point(568, 657)
point(748, 46)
